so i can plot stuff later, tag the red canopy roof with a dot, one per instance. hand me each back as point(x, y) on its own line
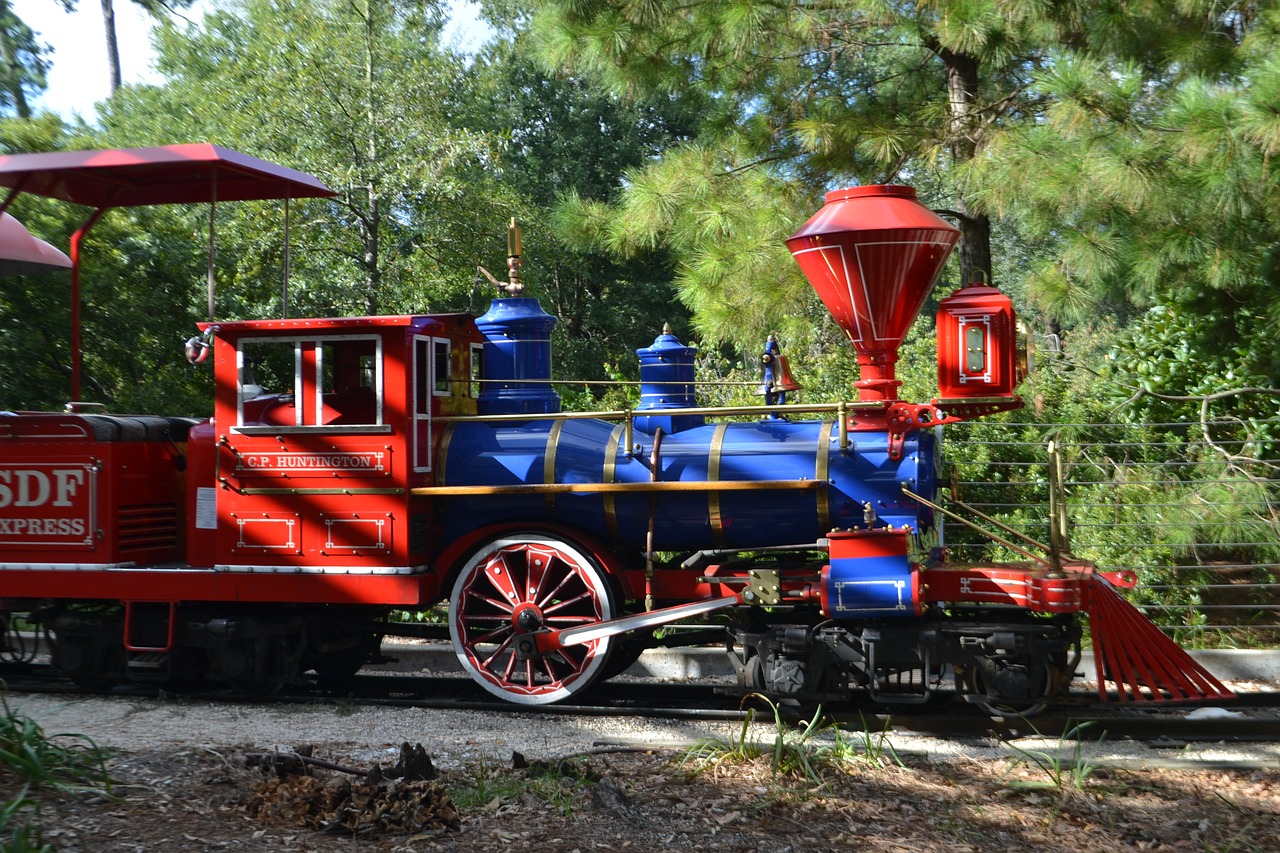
point(168, 174)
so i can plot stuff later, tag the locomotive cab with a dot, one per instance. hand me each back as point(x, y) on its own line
point(320, 430)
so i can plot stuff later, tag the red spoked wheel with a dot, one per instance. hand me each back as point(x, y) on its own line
point(514, 589)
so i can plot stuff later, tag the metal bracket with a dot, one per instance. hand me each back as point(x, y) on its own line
point(902, 418)
point(764, 586)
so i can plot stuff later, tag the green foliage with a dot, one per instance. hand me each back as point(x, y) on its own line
point(795, 754)
point(863, 745)
point(22, 73)
point(564, 136)
point(1152, 187)
point(1066, 767)
point(1173, 351)
point(42, 762)
point(851, 87)
point(1219, 503)
point(484, 785)
point(1125, 147)
point(734, 274)
point(364, 97)
point(17, 832)
point(438, 615)
point(557, 784)
point(361, 96)
point(430, 155)
point(798, 97)
point(139, 300)
point(789, 754)
point(46, 764)
point(819, 95)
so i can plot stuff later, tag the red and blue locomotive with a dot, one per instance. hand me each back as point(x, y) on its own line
point(355, 466)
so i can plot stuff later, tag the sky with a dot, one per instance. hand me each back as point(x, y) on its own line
point(78, 78)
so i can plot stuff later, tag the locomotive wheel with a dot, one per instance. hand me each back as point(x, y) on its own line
point(102, 675)
point(259, 667)
point(510, 590)
point(977, 684)
point(86, 647)
point(343, 663)
point(627, 648)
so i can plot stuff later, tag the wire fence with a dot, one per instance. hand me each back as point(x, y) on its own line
point(1194, 509)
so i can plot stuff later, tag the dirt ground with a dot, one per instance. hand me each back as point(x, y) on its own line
point(241, 799)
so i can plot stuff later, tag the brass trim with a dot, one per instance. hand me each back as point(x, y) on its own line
point(822, 473)
point(961, 401)
point(713, 473)
point(438, 464)
point(610, 475)
point(256, 491)
point(972, 526)
point(709, 486)
point(764, 587)
point(788, 408)
point(549, 459)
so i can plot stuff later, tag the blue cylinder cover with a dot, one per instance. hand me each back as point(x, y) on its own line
point(869, 576)
point(591, 451)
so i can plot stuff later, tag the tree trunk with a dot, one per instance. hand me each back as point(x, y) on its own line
point(372, 272)
point(113, 47)
point(974, 251)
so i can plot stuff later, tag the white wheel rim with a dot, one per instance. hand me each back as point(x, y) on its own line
point(553, 584)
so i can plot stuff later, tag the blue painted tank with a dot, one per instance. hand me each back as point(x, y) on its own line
point(667, 374)
point(592, 451)
point(517, 358)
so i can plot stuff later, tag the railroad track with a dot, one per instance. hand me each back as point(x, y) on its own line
point(1253, 717)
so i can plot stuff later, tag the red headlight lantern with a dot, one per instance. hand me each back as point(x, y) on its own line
point(977, 345)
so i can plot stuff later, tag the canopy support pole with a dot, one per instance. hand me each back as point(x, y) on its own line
point(13, 193)
point(213, 209)
point(284, 296)
point(76, 239)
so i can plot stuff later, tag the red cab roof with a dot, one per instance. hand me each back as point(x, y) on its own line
point(167, 174)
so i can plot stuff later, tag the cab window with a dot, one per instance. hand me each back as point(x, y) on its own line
point(440, 357)
point(329, 382)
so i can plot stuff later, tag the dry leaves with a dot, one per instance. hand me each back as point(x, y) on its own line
point(338, 806)
point(201, 801)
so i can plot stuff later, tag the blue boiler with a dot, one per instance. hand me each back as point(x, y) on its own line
point(591, 451)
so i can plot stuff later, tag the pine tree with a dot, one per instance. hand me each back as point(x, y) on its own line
point(812, 95)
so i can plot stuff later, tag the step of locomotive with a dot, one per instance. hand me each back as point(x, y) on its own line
point(148, 661)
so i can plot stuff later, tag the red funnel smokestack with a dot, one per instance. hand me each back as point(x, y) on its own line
point(873, 254)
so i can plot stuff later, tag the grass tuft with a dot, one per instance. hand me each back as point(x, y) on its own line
point(1066, 768)
point(801, 753)
point(61, 764)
